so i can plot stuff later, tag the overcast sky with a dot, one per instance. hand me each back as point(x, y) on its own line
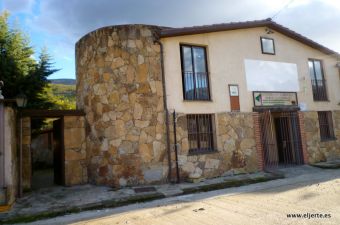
point(58, 24)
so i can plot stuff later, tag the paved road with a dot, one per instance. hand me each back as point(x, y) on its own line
point(307, 191)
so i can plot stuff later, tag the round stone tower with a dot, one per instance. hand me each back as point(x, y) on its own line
point(119, 86)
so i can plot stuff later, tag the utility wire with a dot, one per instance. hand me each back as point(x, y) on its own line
point(283, 8)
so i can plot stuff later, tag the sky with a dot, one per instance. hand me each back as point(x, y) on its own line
point(59, 24)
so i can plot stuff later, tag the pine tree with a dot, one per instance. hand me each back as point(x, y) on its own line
point(21, 73)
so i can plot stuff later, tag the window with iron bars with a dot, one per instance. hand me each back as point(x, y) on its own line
point(318, 80)
point(200, 133)
point(326, 125)
point(194, 73)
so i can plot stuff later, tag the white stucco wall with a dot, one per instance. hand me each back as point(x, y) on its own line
point(226, 52)
point(11, 170)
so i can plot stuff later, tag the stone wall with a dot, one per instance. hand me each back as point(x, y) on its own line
point(75, 150)
point(119, 87)
point(235, 147)
point(321, 150)
point(42, 150)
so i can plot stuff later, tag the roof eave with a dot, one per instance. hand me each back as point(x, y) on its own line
point(173, 32)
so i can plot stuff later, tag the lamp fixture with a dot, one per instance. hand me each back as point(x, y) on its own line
point(269, 31)
point(21, 100)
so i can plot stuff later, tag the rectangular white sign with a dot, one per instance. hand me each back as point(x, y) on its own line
point(271, 76)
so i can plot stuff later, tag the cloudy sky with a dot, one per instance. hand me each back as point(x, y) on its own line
point(58, 24)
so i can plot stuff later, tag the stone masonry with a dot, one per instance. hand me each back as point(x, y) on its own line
point(119, 87)
point(318, 150)
point(75, 150)
point(235, 147)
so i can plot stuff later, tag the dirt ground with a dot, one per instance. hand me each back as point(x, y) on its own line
point(314, 191)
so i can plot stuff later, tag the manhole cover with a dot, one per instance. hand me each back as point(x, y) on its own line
point(144, 189)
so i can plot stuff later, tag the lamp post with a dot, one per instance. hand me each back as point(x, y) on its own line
point(21, 101)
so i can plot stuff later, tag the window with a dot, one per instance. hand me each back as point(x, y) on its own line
point(200, 133)
point(326, 125)
point(194, 73)
point(318, 80)
point(267, 46)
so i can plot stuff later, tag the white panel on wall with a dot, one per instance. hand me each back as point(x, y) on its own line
point(271, 76)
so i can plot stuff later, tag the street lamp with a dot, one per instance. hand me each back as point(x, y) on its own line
point(21, 100)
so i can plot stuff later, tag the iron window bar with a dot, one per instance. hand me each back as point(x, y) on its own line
point(326, 125)
point(200, 133)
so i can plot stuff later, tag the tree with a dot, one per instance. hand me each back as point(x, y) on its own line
point(20, 72)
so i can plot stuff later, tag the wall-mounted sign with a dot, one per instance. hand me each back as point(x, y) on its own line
point(233, 90)
point(234, 98)
point(274, 98)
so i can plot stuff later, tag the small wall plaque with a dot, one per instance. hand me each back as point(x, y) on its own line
point(234, 98)
point(233, 90)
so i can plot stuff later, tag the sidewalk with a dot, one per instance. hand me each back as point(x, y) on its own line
point(56, 201)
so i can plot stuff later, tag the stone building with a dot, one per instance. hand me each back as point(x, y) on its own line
point(247, 96)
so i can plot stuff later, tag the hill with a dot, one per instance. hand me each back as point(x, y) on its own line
point(63, 93)
point(63, 81)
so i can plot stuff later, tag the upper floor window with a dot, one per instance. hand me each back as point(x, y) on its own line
point(267, 46)
point(195, 73)
point(318, 80)
point(326, 125)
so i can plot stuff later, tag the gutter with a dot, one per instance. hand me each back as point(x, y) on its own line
point(166, 111)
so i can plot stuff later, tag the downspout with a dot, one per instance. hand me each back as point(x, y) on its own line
point(166, 110)
point(176, 151)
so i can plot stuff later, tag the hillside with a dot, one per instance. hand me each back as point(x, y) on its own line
point(63, 92)
point(65, 81)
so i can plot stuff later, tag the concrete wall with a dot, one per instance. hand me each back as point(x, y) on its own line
point(226, 52)
point(11, 156)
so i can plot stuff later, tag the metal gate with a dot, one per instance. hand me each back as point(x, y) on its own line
point(281, 139)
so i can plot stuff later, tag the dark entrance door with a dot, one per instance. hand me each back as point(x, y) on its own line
point(58, 152)
point(284, 140)
point(281, 139)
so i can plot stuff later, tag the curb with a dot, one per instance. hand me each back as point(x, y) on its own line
point(327, 166)
point(231, 183)
point(139, 198)
point(86, 207)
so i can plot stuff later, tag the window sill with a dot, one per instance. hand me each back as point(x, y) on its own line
point(202, 151)
point(198, 100)
point(328, 139)
point(321, 100)
point(268, 53)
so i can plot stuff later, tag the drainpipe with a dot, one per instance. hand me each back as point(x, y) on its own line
point(166, 111)
point(176, 151)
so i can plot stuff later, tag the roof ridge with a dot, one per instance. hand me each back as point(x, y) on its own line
point(171, 32)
